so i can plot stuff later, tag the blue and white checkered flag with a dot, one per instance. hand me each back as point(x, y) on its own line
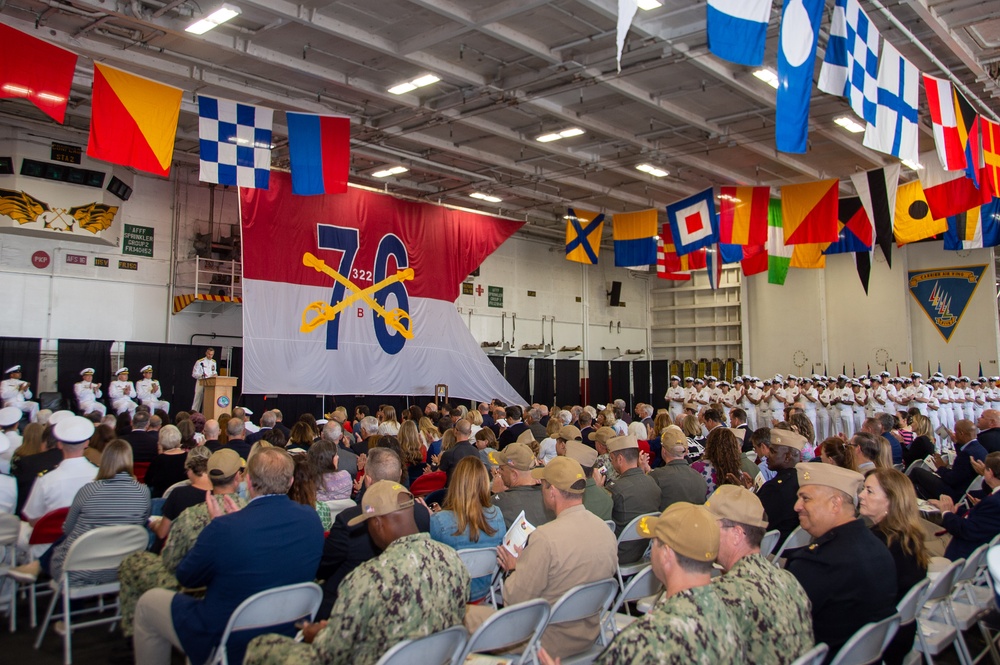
point(850, 67)
point(235, 143)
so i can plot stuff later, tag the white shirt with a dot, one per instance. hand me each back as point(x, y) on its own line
point(58, 487)
point(676, 395)
point(8, 494)
point(547, 449)
point(15, 443)
point(116, 390)
point(10, 393)
point(144, 389)
point(204, 369)
point(86, 392)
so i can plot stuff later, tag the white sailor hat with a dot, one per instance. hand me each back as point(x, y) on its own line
point(121, 370)
point(86, 370)
point(778, 377)
point(884, 375)
point(792, 377)
point(806, 379)
point(995, 378)
point(146, 368)
point(982, 379)
point(907, 379)
point(699, 381)
point(842, 377)
point(247, 411)
point(688, 379)
point(766, 382)
point(855, 382)
point(711, 378)
point(821, 383)
point(916, 375)
point(754, 379)
point(9, 415)
point(952, 377)
point(724, 384)
point(963, 378)
point(322, 421)
point(816, 377)
point(865, 382)
point(12, 369)
point(938, 374)
point(674, 377)
point(738, 379)
point(73, 430)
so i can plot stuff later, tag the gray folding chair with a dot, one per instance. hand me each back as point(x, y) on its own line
point(769, 542)
point(10, 527)
point(271, 607)
point(642, 585)
point(440, 648)
point(798, 538)
point(521, 623)
point(631, 533)
point(814, 656)
point(481, 562)
point(866, 645)
point(909, 605)
point(936, 629)
point(611, 525)
point(580, 602)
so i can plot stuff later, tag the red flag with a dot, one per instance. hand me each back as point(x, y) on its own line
point(809, 212)
point(35, 70)
point(671, 266)
point(949, 192)
point(947, 137)
point(990, 132)
point(743, 215)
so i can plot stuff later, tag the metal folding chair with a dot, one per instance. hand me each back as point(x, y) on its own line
point(798, 538)
point(512, 625)
point(482, 562)
point(629, 534)
point(580, 602)
point(866, 645)
point(440, 648)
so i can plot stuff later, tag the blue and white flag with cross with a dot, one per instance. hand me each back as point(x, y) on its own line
point(895, 131)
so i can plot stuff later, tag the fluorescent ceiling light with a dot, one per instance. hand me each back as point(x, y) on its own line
point(545, 138)
point(16, 89)
point(572, 131)
point(649, 4)
point(728, 197)
point(485, 197)
point(652, 170)
point(48, 96)
point(767, 76)
point(213, 20)
point(410, 86)
point(564, 134)
point(913, 166)
point(849, 124)
point(385, 173)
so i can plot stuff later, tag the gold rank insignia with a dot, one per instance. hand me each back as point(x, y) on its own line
point(812, 547)
point(805, 475)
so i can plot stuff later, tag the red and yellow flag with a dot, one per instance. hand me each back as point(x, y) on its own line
point(134, 120)
point(809, 212)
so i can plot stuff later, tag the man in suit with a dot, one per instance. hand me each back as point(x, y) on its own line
point(280, 425)
point(267, 422)
point(970, 528)
point(143, 442)
point(211, 433)
point(462, 448)
point(515, 426)
point(233, 559)
point(782, 452)
point(236, 437)
point(989, 430)
point(955, 480)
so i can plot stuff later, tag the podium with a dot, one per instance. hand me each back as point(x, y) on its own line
point(218, 396)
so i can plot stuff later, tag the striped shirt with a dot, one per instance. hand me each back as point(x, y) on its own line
point(117, 501)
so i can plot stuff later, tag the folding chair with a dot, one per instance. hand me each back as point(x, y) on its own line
point(643, 585)
point(907, 608)
point(510, 626)
point(48, 529)
point(917, 464)
point(139, 469)
point(482, 562)
point(970, 603)
point(631, 533)
point(580, 602)
point(10, 527)
point(866, 645)
point(183, 483)
point(271, 607)
point(436, 649)
point(974, 486)
point(935, 632)
point(100, 549)
point(611, 525)
point(798, 538)
point(769, 542)
point(814, 656)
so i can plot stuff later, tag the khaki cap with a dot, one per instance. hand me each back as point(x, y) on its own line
point(224, 462)
point(737, 504)
point(784, 437)
point(621, 443)
point(687, 529)
point(847, 481)
point(563, 473)
point(602, 435)
point(738, 433)
point(526, 437)
point(382, 498)
point(673, 436)
point(581, 452)
point(570, 433)
point(516, 455)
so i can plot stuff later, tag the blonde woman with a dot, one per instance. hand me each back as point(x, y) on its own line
point(389, 424)
point(414, 453)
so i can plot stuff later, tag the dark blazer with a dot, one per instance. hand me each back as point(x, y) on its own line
point(284, 430)
point(778, 496)
point(897, 448)
point(990, 439)
point(347, 547)
point(240, 446)
point(234, 558)
point(961, 472)
point(919, 449)
point(144, 445)
point(510, 434)
point(978, 527)
point(212, 444)
point(254, 437)
point(27, 469)
point(451, 458)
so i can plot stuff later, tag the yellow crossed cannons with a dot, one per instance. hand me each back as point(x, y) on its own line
point(325, 312)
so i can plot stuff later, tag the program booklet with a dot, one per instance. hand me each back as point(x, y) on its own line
point(517, 534)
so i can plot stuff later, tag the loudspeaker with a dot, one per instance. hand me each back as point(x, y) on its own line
point(119, 189)
point(615, 294)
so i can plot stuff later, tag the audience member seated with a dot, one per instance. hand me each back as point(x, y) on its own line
point(38, 454)
point(847, 572)
point(235, 437)
point(978, 525)
point(303, 489)
point(989, 430)
point(183, 497)
point(575, 548)
point(270, 528)
point(780, 493)
point(267, 421)
point(922, 445)
point(333, 484)
point(768, 603)
point(633, 493)
point(189, 437)
point(463, 448)
point(414, 588)
point(838, 452)
point(103, 435)
point(302, 436)
point(168, 467)
point(346, 546)
point(889, 501)
point(722, 461)
point(514, 488)
point(595, 498)
point(143, 442)
point(953, 480)
point(413, 450)
point(677, 480)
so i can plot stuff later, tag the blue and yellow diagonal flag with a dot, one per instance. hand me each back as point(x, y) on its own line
point(584, 230)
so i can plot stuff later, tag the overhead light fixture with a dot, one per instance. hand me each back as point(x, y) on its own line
point(410, 86)
point(385, 173)
point(728, 197)
point(913, 166)
point(767, 76)
point(564, 134)
point(649, 4)
point(485, 197)
point(652, 170)
point(214, 20)
point(16, 89)
point(849, 124)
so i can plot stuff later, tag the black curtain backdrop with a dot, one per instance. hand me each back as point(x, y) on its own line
point(516, 373)
point(567, 382)
point(74, 355)
point(172, 365)
point(661, 381)
point(598, 372)
point(497, 362)
point(641, 391)
point(235, 369)
point(544, 392)
point(621, 380)
point(23, 351)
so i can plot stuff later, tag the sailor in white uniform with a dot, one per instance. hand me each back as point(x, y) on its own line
point(15, 392)
point(122, 393)
point(203, 369)
point(675, 398)
point(149, 390)
point(87, 393)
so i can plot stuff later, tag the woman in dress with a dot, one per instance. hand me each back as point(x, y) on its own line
point(721, 463)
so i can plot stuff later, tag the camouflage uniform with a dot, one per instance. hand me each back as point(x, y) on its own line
point(604, 461)
point(771, 609)
point(142, 571)
point(414, 588)
point(691, 627)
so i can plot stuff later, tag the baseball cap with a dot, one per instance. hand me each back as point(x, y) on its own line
point(224, 463)
point(845, 480)
point(602, 435)
point(621, 443)
point(382, 498)
point(516, 455)
point(563, 473)
point(581, 452)
point(570, 433)
point(687, 529)
point(737, 504)
point(784, 437)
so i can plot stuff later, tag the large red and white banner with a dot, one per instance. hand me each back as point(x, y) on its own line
point(353, 294)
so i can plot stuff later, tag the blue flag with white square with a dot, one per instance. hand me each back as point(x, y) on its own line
point(234, 143)
point(850, 66)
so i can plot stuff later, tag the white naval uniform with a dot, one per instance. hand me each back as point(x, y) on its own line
point(811, 408)
point(203, 369)
point(87, 396)
point(845, 411)
point(922, 391)
point(150, 397)
point(11, 395)
point(760, 408)
point(891, 397)
point(728, 401)
point(957, 405)
point(121, 400)
point(776, 404)
point(969, 408)
point(980, 404)
point(994, 397)
point(675, 398)
point(823, 415)
point(859, 409)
